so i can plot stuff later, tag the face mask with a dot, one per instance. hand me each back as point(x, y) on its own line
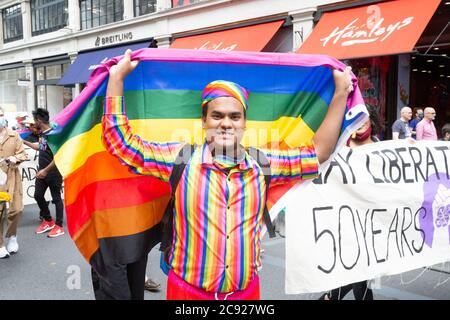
point(420, 116)
point(2, 122)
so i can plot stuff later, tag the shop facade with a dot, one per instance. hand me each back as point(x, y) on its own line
point(383, 41)
point(50, 63)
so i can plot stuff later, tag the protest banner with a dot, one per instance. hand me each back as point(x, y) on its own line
point(379, 209)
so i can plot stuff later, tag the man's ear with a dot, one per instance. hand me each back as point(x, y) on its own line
point(203, 122)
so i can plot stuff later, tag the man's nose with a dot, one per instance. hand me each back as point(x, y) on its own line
point(226, 122)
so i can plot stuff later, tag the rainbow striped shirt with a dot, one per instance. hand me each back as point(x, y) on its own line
point(217, 216)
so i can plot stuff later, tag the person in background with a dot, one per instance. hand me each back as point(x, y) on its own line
point(12, 153)
point(446, 132)
point(366, 134)
point(48, 176)
point(400, 128)
point(418, 116)
point(425, 129)
point(33, 137)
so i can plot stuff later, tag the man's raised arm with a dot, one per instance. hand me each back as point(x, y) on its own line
point(327, 135)
point(148, 158)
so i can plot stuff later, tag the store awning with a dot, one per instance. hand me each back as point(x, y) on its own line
point(80, 70)
point(250, 38)
point(384, 28)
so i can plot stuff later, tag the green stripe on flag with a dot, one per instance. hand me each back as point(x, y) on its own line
point(185, 104)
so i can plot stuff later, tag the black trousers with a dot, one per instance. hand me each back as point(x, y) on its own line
point(360, 291)
point(55, 185)
point(122, 282)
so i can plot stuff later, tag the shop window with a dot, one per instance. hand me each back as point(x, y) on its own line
point(50, 95)
point(179, 3)
point(142, 7)
point(40, 73)
point(13, 97)
point(12, 23)
point(53, 72)
point(372, 76)
point(96, 13)
point(48, 16)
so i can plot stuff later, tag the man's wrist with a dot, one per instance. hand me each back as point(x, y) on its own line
point(114, 105)
point(116, 78)
point(340, 94)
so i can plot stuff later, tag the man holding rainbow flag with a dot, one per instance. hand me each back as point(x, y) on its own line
point(219, 201)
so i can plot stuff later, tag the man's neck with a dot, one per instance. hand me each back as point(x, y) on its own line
point(232, 152)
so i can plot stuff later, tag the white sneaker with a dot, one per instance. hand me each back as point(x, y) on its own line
point(11, 244)
point(4, 253)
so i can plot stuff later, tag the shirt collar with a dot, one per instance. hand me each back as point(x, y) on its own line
point(207, 158)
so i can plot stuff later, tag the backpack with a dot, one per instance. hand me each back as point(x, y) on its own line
point(180, 163)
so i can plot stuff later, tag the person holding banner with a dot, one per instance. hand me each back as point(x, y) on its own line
point(218, 204)
point(366, 134)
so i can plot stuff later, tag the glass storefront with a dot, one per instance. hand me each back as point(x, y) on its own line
point(373, 81)
point(50, 95)
point(13, 90)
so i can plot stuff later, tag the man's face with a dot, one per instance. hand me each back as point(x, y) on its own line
point(224, 123)
point(407, 114)
point(420, 114)
point(430, 114)
point(37, 124)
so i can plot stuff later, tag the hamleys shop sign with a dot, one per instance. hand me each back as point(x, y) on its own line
point(358, 33)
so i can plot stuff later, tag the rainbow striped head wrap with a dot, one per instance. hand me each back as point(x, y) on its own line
point(222, 88)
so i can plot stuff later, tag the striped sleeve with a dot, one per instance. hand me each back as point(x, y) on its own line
point(292, 164)
point(143, 157)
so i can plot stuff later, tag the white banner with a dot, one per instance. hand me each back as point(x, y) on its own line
point(378, 209)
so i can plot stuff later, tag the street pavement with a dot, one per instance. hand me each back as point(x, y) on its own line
point(53, 269)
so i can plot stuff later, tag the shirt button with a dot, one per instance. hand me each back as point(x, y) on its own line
point(226, 267)
point(228, 237)
point(228, 207)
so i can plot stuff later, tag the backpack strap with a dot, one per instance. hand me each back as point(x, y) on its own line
point(264, 164)
point(182, 159)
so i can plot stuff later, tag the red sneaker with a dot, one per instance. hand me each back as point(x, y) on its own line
point(56, 232)
point(45, 226)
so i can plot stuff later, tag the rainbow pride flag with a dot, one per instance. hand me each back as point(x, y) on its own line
point(113, 214)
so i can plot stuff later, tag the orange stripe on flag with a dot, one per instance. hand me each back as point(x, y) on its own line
point(116, 223)
point(99, 167)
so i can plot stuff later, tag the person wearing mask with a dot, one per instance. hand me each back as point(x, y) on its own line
point(12, 153)
point(400, 128)
point(418, 116)
point(47, 176)
point(425, 129)
point(366, 134)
